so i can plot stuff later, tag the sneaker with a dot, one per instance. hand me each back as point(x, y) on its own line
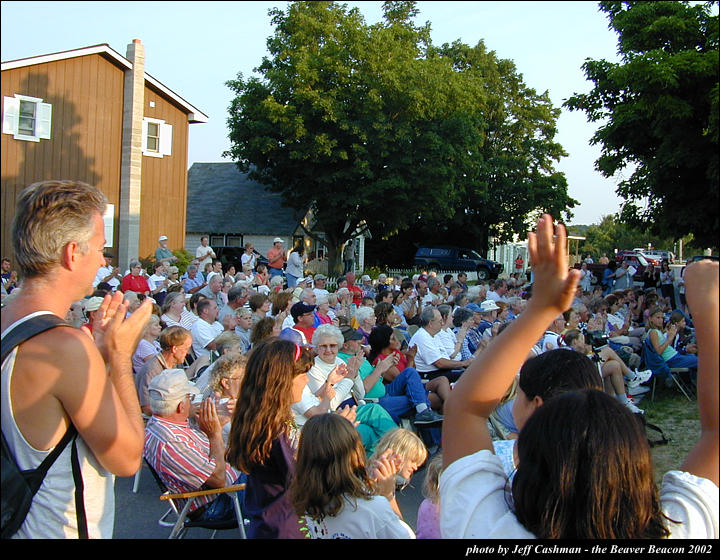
point(427, 416)
point(634, 409)
point(638, 377)
point(639, 390)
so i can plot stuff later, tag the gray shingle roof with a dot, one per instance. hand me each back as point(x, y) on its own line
point(222, 199)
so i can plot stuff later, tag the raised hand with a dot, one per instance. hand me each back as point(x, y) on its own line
point(349, 413)
point(115, 334)
point(383, 471)
point(338, 373)
point(555, 285)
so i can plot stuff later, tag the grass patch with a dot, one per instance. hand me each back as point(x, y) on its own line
point(679, 419)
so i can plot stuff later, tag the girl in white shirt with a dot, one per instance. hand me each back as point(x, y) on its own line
point(333, 493)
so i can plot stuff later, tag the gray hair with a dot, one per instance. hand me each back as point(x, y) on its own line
point(170, 299)
point(328, 331)
point(444, 310)
point(363, 313)
point(191, 268)
point(427, 315)
point(460, 300)
point(134, 263)
point(306, 292)
point(48, 216)
point(224, 368)
point(342, 292)
point(228, 341)
point(236, 292)
point(276, 281)
point(321, 299)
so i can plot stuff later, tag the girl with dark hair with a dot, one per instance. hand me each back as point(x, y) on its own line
point(263, 439)
point(585, 469)
point(332, 491)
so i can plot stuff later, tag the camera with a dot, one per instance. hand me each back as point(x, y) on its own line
point(596, 339)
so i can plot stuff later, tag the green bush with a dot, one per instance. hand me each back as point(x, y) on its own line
point(184, 259)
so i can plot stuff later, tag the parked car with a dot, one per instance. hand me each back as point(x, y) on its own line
point(230, 256)
point(660, 255)
point(456, 259)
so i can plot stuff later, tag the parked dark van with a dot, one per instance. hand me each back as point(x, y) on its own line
point(457, 259)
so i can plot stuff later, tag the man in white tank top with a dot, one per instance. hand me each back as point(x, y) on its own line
point(66, 375)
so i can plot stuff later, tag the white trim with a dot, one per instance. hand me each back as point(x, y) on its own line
point(194, 114)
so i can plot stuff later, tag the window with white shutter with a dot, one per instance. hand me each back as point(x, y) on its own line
point(27, 118)
point(156, 138)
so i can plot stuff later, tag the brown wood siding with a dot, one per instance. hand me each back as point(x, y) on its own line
point(86, 94)
point(164, 180)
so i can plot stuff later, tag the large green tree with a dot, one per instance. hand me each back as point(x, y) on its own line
point(371, 125)
point(659, 113)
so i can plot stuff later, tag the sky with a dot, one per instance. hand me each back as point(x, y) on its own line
point(195, 47)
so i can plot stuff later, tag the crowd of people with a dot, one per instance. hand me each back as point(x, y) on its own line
point(325, 399)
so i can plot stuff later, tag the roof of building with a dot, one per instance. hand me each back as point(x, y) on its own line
point(194, 114)
point(221, 198)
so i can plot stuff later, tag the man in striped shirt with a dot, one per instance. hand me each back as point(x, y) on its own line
point(184, 457)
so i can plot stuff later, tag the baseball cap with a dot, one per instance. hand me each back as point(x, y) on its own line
point(297, 337)
point(320, 277)
point(162, 238)
point(278, 240)
point(349, 333)
point(474, 307)
point(171, 385)
point(300, 309)
point(366, 278)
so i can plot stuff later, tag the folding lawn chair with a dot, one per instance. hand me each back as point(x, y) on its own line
point(660, 369)
point(182, 522)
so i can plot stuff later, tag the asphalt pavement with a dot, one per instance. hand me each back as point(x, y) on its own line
point(137, 514)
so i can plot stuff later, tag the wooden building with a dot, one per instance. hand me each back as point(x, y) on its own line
point(96, 116)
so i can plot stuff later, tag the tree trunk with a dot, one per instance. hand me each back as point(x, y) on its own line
point(335, 263)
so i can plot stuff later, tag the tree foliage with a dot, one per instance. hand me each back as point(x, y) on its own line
point(659, 109)
point(372, 124)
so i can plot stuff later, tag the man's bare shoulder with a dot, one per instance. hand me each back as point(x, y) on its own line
point(63, 348)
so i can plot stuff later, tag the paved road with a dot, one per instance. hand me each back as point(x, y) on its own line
point(137, 515)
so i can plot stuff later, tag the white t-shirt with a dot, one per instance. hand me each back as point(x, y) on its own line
point(429, 350)
point(474, 502)
point(361, 519)
point(155, 281)
point(447, 341)
point(203, 255)
point(248, 259)
point(102, 272)
point(203, 333)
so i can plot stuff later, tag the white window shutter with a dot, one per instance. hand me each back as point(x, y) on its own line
point(166, 139)
point(43, 118)
point(11, 115)
point(144, 135)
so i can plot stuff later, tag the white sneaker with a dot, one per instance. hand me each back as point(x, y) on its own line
point(634, 409)
point(639, 390)
point(639, 377)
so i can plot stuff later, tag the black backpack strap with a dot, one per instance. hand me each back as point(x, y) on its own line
point(27, 330)
point(79, 488)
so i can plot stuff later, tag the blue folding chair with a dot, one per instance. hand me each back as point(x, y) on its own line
point(654, 362)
